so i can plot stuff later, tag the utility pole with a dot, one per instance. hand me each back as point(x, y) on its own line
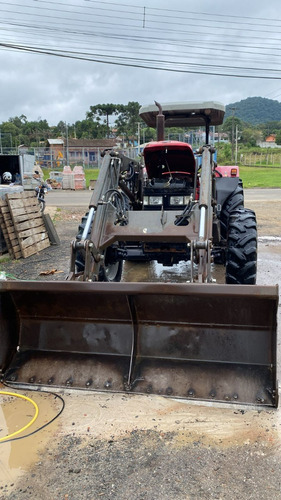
point(139, 124)
point(236, 144)
point(66, 131)
point(232, 134)
point(143, 135)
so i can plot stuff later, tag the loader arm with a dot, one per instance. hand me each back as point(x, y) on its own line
point(109, 228)
point(204, 242)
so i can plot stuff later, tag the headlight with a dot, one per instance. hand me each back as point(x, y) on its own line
point(176, 200)
point(153, 200)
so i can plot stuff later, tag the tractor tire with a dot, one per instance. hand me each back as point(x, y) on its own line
point(234, 202)
point(80, 256)
point(109, 272)
point(241, 253)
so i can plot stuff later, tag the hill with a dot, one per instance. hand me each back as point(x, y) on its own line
point(255, 110)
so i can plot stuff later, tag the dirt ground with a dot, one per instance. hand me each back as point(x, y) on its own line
point(56, 258)
point(120, 447)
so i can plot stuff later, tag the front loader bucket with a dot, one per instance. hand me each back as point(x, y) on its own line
point(196, 341)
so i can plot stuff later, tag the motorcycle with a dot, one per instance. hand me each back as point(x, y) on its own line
point(40, 191)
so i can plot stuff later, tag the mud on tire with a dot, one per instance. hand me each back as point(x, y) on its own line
point(241, 253)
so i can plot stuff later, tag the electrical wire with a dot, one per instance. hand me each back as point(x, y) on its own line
point(223, 18)
point(42, 426)
point(180, 11)
point(146, 64)
point(19, 431)
point(88, 34)
point(190, 43)
point(236, 37)
point(107, 16)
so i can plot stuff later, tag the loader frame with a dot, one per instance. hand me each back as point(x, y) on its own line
point(191, 233)
point(193, 340)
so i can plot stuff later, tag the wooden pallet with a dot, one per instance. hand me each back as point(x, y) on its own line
point(28, 223)
point(8, 230)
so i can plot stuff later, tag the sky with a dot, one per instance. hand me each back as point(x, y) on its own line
point(59, 57)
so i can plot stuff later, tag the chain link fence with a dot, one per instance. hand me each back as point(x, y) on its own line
point(57, 158)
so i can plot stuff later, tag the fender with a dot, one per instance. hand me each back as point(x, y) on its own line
point(224, 186)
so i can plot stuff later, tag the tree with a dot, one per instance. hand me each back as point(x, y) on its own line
point(60, 129)
point(9, 131)
point(229, 126)
point(250, 136)
point(89, 129)
point(148, 134)
point(224, 153)
point(128, 119)
point(105, 110)
point(278, 137)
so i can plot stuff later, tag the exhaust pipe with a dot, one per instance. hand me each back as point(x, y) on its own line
point(160, 123)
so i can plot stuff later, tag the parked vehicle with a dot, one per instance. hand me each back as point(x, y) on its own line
point(195, 340)
point(41, 190)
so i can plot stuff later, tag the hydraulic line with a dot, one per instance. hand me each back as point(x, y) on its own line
point(26, 398)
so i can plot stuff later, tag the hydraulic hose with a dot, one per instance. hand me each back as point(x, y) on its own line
point(26, 398)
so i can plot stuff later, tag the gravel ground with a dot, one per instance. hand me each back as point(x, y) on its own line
point(149, 457)
point(146, 466)
point(54, 259)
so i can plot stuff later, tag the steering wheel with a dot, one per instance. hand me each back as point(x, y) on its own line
point(177, 172)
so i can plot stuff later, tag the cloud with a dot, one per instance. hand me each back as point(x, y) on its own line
point(63, 89)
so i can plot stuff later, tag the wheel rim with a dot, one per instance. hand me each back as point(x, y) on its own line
point(111, 271)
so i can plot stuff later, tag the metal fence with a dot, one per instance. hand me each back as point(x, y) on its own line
point(261, 159)
point(56, 159)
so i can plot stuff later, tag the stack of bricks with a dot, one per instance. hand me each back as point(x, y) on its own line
point(79, 178)
point(67, 178)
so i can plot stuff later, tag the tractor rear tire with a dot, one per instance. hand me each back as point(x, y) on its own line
point(241, 253)
point(234, 202)
point(108, 272)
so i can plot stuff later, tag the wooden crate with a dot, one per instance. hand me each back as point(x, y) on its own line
point(28, 223)
point(8, 230)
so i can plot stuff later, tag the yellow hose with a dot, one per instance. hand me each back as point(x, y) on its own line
point(29, 423)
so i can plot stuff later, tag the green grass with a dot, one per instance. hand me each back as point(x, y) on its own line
point(252, 176)
point(260, 177)
point(90, 174)
point(3, 259)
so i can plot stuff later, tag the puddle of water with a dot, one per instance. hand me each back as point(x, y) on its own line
point(274, 239)
point(17, 456)
point(269, 256)
point(153, 271)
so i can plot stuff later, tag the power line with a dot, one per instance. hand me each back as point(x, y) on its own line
point(128, 62)
point(136, 38)
point(201, 45)
point(140, 17)
point(188, 12)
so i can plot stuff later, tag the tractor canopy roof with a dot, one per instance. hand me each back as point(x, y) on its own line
point(185, 114)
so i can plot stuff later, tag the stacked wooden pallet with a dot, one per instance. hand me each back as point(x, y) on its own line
point(22, 224)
